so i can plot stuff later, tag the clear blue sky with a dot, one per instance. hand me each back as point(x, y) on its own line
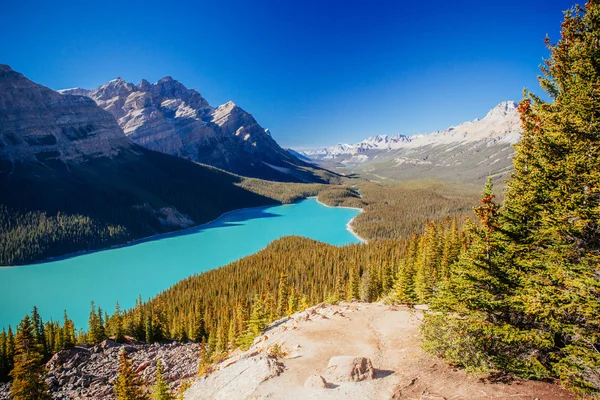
point(316, 72)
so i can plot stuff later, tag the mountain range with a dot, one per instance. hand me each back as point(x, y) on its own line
point(71, 180)
point(168, 117)
point(469, 151)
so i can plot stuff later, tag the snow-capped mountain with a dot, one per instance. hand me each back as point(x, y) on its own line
point(467, 152)
point(169, 118)
point(500, 125)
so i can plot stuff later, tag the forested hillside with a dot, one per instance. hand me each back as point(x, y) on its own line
point(525, 297)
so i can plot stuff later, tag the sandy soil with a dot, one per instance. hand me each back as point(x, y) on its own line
point(389, 336)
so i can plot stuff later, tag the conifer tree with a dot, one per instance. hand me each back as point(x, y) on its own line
point(37, 326)
point(303, 303)
point(256, 323)
point(353, 285)
point(10, 348)
point(160, 389)
point(28, 370)
point(552, 208)
point(118, 330)
point(95, 326)
point(3, 356)
point(128, 385)
point(204, 360)
point(530, 277)
point(149, 330)
point(282, 295)
point(292, 301)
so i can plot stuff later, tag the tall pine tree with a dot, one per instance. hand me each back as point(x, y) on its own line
point(28, 372)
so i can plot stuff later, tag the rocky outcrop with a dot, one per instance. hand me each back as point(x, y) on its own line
point(170, 118)
point(309, 355)
point(39, 124)
point(237, 381)
point(89, 373)
point(350, 351)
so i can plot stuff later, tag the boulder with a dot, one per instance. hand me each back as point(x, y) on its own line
point(349, 369)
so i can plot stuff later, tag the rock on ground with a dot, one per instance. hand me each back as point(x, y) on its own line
point(89, 373)
point(237, 381)
point(349, 369)
point(348, 336)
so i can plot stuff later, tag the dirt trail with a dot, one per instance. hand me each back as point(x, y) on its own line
point(389, 336)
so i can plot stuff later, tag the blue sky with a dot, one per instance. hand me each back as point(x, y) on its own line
point(316, 72)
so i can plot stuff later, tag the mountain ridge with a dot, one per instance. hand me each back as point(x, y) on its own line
point(504, 117)
point(70, 180)
point(168, 117)
point(466, 153)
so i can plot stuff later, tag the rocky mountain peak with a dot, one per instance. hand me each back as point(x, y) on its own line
point(503, 109)
point(144, 85)
point(37, 123)
point(5, 68)
point(501, 124)
point(170, 118)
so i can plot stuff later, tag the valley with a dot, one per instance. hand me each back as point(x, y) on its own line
point(155, 246)
point(462, 154)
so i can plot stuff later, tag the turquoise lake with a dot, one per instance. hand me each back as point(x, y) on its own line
point(152, 265)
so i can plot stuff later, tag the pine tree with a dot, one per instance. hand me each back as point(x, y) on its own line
point(353, 291)
point(160, 389)
point(552, 209)
point(37, 325)
point(10, 348)
point(282, 295)
point(256, 323)
point(128, 385)
point(303, 303)
point(204, 360)
point(28, 371)
point(292, 301)
point(3, 356)
point(528, 287)
point(118, 331)
point(149, 330)
point(95, 326)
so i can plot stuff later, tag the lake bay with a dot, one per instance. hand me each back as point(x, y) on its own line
point(152, 265)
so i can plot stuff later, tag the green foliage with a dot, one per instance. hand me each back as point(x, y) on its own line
point(526, 293)
point(96, 332)
point(28, 370)
point(128, 385)
point(398, 210)
point(35, 235)
point(160, 389)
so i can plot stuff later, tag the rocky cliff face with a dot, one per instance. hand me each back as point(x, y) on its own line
point(37, 123)
point(65, 154)
point(170, 118)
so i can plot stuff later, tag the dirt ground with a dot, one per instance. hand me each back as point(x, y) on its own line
point(389, 336)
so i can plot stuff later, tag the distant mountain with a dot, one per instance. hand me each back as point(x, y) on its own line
point(172, 119)
point(467, 152)
point(70, 179)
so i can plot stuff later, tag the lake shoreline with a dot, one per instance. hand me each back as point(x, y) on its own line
point(349, 224)
point(157, 236)
point(179, 232)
